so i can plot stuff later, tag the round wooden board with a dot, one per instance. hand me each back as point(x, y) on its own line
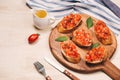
point(82, 66)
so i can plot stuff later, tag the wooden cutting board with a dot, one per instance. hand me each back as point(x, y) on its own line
point(82, 66)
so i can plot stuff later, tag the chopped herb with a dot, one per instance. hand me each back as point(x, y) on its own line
point(89, 22)
point(95, 45)
point(61, 38)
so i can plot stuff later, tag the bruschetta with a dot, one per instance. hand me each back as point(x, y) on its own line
point(69, 23)
point(82, 38)
point(103, 33)
point(96, 55)
point(70, 51)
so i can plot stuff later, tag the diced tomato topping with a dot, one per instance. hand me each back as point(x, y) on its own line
point(83, 37)
point(96, 54)
point(102, 31)
point(70, 21)
point(70, 49)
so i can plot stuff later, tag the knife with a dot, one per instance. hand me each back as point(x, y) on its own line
point(66, 72)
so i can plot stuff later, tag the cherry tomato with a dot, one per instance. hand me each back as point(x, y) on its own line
point(33, 37)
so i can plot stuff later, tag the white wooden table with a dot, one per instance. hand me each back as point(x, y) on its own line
point(17, 56)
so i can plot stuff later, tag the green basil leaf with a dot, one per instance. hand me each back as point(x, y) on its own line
point(95, 45)
point(89, 22)
point(61, 38)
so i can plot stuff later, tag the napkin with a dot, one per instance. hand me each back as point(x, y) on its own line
point(95, 8)
point(113, 7)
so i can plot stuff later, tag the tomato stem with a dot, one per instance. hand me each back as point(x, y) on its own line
point(38, 34)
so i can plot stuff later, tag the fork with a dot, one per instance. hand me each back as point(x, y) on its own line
point(40, 68)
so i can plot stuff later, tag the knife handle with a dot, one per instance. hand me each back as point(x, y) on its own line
point(48, 78)
point(70, 75)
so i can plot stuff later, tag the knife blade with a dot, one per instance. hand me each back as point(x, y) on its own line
point(66, 72)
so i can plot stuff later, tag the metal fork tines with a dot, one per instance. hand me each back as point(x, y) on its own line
point(40, 68)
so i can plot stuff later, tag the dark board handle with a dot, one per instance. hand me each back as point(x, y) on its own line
point(111, 70)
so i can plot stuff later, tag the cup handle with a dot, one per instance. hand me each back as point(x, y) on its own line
point(51, 20)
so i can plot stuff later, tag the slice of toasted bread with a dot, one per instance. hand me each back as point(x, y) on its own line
point(69, 23)
point(96, 55)
point(70, 51)
point(82, 38)
point(103, 33)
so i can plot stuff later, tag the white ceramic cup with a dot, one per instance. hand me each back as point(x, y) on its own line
point(44, 22)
